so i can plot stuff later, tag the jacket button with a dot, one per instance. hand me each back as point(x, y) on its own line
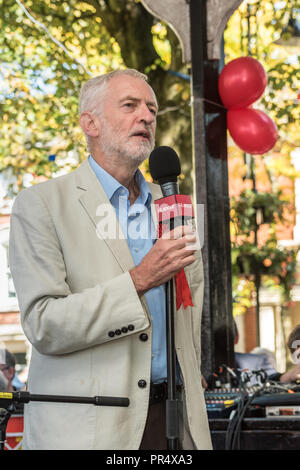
point(142, 383)
point(124, 329)
point(130, 327)
point(118, 332)
point(144, 337)
point(111, 334)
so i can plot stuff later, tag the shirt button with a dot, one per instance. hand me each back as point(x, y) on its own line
point(142, 383)
point(118, 332)
point(124, 329)
point(144, 337)
point(130, 327)
point(111, 334)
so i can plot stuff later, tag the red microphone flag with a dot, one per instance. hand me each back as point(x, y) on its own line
point(173, 211)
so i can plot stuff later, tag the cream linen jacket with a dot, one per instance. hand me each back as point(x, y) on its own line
point(73, 286)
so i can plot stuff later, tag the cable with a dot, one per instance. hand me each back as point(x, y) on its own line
point(234, 417)
point(237, 433)
point(232, 440)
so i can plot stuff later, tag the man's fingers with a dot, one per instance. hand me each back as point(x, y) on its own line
point(182, 237)
point(178, 232)
point(188, 260)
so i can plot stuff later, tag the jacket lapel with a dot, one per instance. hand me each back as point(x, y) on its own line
point(95, 202)
point(93, 198)
point(156, 194)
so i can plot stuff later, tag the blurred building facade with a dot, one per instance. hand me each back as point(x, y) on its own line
point(11, 333)
point(275, 323)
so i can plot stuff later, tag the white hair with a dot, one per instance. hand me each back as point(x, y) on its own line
point(92, 91)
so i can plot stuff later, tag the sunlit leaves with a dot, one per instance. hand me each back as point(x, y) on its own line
point(281, 63)
point(39, 82)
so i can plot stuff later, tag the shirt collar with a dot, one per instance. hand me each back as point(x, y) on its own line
point(111, 185)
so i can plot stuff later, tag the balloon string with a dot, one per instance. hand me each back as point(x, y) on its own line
point(213, 102)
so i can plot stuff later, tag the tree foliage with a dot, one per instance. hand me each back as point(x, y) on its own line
point(40, 80)
point(266, 26)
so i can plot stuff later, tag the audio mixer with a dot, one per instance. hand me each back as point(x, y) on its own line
point(221, 401)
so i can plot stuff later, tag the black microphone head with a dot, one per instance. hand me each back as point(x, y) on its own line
point(164, 164)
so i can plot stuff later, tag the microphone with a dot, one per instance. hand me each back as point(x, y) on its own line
point(173, 209)
point(164, 167)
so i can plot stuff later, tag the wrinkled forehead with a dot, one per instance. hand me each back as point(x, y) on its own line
point(124, 86)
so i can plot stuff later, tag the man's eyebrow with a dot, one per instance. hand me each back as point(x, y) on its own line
point(132, 98)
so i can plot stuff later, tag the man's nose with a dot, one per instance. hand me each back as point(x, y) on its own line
point(146, 115)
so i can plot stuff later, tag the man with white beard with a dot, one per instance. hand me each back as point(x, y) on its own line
point(92, 299)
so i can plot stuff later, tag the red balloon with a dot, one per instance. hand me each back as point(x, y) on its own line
point(252, 130)
point(241, 82)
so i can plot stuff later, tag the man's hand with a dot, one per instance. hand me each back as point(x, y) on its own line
point(170, 254)
point(292, 375)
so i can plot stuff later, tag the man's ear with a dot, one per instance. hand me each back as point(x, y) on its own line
point(90, 124)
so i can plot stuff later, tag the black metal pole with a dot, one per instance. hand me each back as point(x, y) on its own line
point(211, 191)
point(172, 416)
point(9, 399)
point(257, 289)
point(25, 397)
point(4, 417)
point(257, 276)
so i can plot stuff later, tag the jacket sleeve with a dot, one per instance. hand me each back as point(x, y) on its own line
point(54, 319)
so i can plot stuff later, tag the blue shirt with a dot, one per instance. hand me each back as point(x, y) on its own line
point(139, 231)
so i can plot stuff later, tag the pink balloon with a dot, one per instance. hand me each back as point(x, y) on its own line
point(241, 82)
point(252, 130)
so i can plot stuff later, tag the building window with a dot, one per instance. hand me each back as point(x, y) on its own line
point(11, 291)
point(8, 297)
